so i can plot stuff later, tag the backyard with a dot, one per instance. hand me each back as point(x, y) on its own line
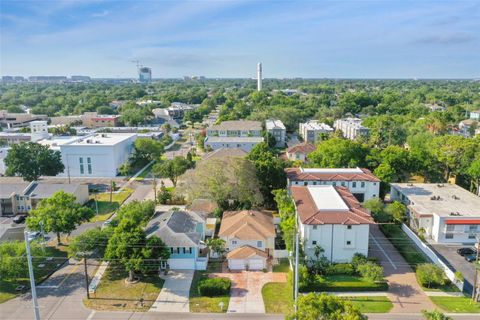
point(105, 207)
point(113, 293)
point(199, 303)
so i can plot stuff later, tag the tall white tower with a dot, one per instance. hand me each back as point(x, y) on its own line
point(259, 76)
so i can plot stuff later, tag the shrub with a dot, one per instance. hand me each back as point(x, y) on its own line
point(429, 274)
point(358, 259)
point(214, 287)
point(371, 271)
point(340, 268)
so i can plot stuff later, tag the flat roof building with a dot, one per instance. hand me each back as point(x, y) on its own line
point(447, 212)
point(310, 130)
point(234, 134)
point(351, 128)
point(277, 129)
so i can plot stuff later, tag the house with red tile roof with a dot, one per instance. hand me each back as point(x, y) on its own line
point(361, 182)
point(300, 151)
point(332, 218)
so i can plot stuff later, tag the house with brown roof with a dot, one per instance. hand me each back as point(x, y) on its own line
point(249, 237)
point(360, 181)
point(300, 151)
point(332, 218)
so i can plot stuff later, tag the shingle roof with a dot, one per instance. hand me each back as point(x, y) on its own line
point(247, 225)
point(246, 252)
point(175, 228)
point(305, 147)
point(226, 152)
point(6, 189)
point(309, 213)
point(203, 205)
point(298, 174)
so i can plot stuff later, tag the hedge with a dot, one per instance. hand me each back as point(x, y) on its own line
point(214, 287)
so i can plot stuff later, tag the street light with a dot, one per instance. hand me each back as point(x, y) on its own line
point(36, 310)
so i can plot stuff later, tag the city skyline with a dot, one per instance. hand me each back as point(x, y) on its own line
point(226, 39)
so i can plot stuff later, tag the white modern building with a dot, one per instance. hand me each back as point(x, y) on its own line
point(361, 182)
point(278, 131)
point(241, 134)
point(96, 155)
point(310, 130)
point(39, 130)
point(332, 218)
point(351, 127)
point(448, 213)
point(475, 115)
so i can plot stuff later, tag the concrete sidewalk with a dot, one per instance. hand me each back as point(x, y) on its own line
point(175, 293)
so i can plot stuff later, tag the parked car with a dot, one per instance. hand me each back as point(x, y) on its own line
point(19, 218)
point(33, 235)
point(471, 257)
point(466, 251)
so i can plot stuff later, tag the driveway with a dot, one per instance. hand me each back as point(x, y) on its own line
point(174, 296)
point(449, 255)
point(246, 290)
point(405, 293)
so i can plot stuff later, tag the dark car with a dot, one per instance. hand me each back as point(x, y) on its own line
point(19, 219)
point(466, 251)
point(471, 257)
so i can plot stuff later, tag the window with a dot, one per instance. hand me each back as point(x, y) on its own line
point(184, 250)
point(343, 184)
point(450, 227)
point(362, 184)
point(314, 183)
point(259, 244)
point(89, 165)
point(171, 250)
point(178, 250)
point(472, 236)
point(234, 241)
point(349, 243)
point(315, 227)
point(354, 184)
point(449, 236)
point(82, 170)
point(190, 250)
point(314, 242)
point(305, 183)
point(334, 183)
point(349, 227)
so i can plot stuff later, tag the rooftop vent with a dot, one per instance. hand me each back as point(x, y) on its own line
point(455, 197)
point(435, 198)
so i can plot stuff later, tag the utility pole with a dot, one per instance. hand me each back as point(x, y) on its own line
point(86, 274)
point(36, 310)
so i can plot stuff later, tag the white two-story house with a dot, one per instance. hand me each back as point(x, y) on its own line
point(361, 182)
point(332, 218)
point(249, 238)
point(241, 134)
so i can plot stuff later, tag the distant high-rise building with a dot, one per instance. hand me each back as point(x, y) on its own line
point(81, 78)
point(144, 74)
point(259, 76)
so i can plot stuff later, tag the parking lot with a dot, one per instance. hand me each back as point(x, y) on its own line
point(10, 230)
point(448, 253)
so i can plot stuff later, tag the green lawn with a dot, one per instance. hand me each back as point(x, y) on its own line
point(278, 297)
point(200, 303)
point(371, 304)
point(284, 266)
point(404, 245)
point(8, 286)
point(105, 208)
point(456, 304)
point(114, 293)
point(449, 287)
point(342, 283)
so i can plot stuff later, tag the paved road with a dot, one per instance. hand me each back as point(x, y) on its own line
point(405, 293)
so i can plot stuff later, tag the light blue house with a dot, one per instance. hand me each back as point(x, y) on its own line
point(183, 232)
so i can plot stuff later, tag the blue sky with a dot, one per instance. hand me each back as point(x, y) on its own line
point(334, 39)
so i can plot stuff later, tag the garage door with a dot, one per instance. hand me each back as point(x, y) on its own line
point(181, 264)
point(256, 264)
point(236, 264)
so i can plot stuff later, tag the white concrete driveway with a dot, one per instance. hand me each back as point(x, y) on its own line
point(174, 296)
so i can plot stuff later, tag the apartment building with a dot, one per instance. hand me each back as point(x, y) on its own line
point(310, 130)
point(331, 217)
point(277, 129)
point(351, 128)
point(300, 151)
point(361, 182)
point(241, 134)
point(447, 212)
